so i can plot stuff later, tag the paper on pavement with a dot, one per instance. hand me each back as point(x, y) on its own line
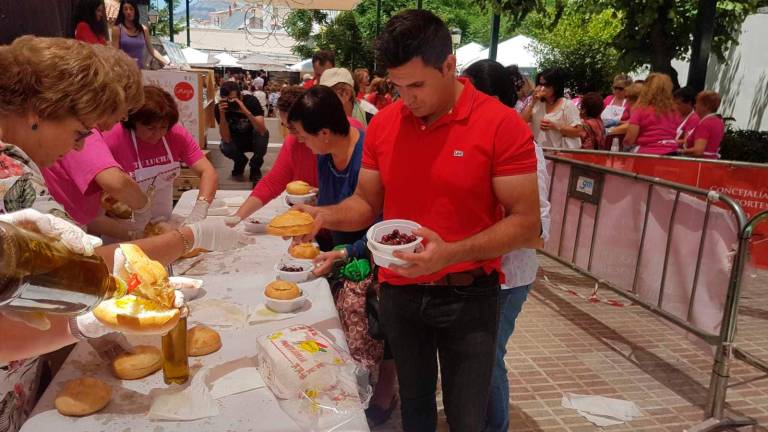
point(234, 377)
point(191, 403)
point(601, 410)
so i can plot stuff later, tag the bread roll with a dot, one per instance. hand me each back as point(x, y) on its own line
point(304, 251)
point(282, 290)
point(292, 223)
point(202, 340)
point(143, 360)
point(298, 187)
point(136, 315)
point(83, 396)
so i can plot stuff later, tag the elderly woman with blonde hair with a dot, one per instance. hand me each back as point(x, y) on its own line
point(654, 120)
point(54, 92)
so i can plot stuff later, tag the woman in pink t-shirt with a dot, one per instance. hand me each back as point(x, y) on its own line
point(653, 124)
point(150, 146)
point(704, 140)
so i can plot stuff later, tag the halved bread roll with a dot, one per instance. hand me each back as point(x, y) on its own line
point(136, 315)
point(304, 251)
point(292, 223)
point(298, 187)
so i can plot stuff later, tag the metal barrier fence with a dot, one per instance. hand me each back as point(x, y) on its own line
point(585, 184)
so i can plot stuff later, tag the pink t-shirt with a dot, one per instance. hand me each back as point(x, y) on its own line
point(71, 180)
point(712, 129)
point(657, 132)
point(690, 123)
point(294, 162)
point(183, 148)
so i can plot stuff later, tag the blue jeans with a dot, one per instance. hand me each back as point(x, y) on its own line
point(510, 303)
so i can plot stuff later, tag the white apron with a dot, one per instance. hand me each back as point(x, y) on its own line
point(157, 183)
point(680, 133)
point(611, 114)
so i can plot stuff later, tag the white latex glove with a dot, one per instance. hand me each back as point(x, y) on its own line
point(90, 327)
point(199, 212)
point(214, 235)
point(72, 237)
point(232, 221)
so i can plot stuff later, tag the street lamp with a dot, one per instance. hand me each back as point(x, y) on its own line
point(455, 37)
point(153, 16)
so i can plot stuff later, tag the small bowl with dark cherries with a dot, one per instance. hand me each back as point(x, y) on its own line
point(292, 270)
point(393, 235)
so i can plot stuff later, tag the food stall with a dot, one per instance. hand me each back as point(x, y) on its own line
point(225, 390)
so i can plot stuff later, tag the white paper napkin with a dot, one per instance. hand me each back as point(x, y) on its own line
point(234, 377)
point(218, 313)
point(601, 410)
point(261, 313)
point(183, 404)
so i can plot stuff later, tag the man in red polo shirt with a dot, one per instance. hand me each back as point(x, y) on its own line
point(463, 166)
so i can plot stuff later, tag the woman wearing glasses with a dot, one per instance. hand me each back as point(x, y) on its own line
point(616, 107)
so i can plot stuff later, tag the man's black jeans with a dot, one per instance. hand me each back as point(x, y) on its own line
point(459, 325)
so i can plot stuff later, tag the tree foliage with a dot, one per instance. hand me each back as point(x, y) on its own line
point(657, 31)
point(579, 43)
point(161, 28)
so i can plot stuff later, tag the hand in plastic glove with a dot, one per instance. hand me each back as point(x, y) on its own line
point(89, 326)
point(232, 221)
point(325, 261)
point(214, 235)
point(199, 212)
point(119, 264)
point(67, 233)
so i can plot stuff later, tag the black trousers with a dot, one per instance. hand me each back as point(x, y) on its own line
point(458, 325)
point(236, 151)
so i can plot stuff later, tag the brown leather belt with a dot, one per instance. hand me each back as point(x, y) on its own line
point(460, 279)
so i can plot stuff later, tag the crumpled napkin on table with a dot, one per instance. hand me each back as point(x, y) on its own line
point(218, 313)
point(188, 403)
point(601, 410)
point(237, 376)
point(259, 313)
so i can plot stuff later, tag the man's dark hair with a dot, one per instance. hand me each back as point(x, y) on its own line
point(410, 34)
point(317, 109)
point(592, 105)
point(323, 57)
point(228, 87)
point(554, 78)
point(493, 79)
point(686, 94)
point(288, 96)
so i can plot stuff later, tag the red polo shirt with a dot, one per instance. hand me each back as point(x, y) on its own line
point(441, 175)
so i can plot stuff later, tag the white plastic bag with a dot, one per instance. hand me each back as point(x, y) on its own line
point(316, 383)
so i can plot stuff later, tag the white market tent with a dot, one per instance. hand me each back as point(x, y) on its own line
point(467, 53)
point(312, 4)
point(258, 61)
point(197, 58)
point(226, 60)
point(515, 50)
point(304, 66)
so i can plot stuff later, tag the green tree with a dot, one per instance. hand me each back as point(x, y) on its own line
point(657, 31)
point(579, 43)
point(161, 28)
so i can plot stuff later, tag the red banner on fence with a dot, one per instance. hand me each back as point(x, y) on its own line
point(748, 185)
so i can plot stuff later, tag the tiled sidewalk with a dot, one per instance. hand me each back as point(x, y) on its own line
point(564, 344)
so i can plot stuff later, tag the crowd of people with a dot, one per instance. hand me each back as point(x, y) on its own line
point(459, 153)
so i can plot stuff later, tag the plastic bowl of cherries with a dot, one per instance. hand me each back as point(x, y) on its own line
point(393, 235)
point(296, 271)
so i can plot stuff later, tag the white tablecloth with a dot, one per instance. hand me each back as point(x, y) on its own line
point(238, 277)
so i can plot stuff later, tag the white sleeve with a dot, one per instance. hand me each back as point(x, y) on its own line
point(542, 177)
point(572, 116)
